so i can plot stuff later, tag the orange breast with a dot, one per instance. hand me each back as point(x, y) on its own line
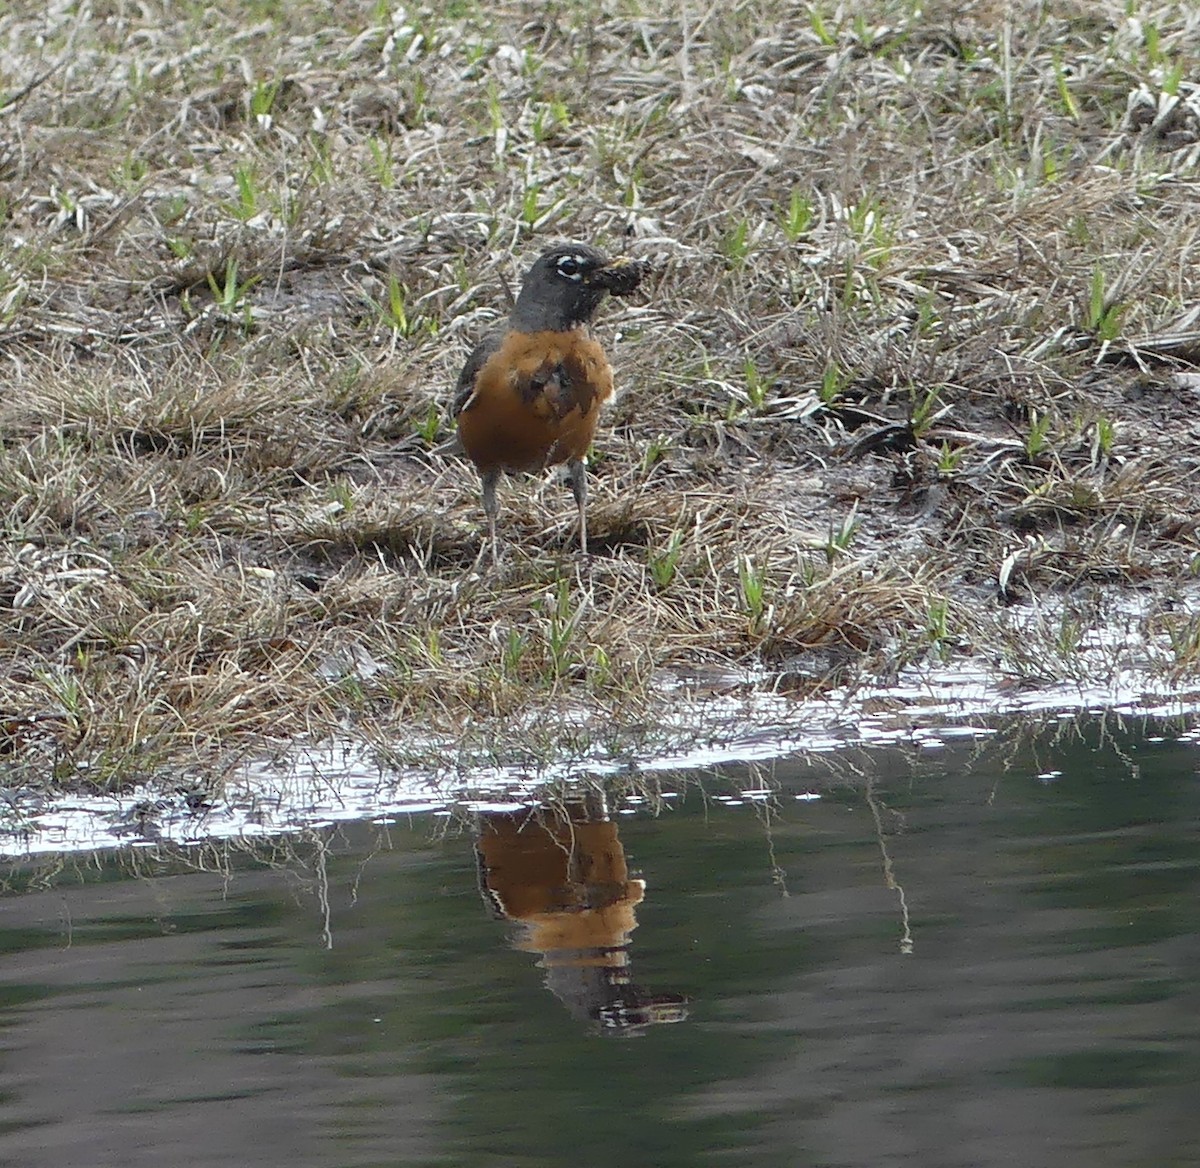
point(536, 401)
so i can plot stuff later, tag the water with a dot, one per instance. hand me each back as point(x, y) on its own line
point(981, 955)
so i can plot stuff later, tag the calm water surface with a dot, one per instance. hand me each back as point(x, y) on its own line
point(984, 955)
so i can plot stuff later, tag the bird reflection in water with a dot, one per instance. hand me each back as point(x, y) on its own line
point(559, 874)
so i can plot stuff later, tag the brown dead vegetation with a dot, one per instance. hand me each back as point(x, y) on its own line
point(915, 357)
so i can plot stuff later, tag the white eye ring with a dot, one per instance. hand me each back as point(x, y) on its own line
point(570, 267)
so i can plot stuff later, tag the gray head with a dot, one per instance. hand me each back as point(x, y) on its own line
point(564, 287)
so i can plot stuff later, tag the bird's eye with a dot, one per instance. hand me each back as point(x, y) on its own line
point(570, 267)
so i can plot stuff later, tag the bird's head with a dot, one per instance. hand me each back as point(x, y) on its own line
point(566, 284)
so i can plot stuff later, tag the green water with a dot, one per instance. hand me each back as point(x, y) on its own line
point(946, 961)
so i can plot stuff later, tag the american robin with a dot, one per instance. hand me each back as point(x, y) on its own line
point(530, 393)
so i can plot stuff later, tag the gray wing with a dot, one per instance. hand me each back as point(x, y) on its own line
point(475, 362)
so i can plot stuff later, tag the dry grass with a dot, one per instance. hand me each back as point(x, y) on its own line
point(925, 276)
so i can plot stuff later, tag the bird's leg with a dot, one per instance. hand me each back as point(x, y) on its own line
point(490, 479)
point(577, 473)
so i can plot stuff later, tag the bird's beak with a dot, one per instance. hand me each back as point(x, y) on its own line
point(621, 276)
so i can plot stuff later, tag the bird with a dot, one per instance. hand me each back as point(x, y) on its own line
point(531, 392)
